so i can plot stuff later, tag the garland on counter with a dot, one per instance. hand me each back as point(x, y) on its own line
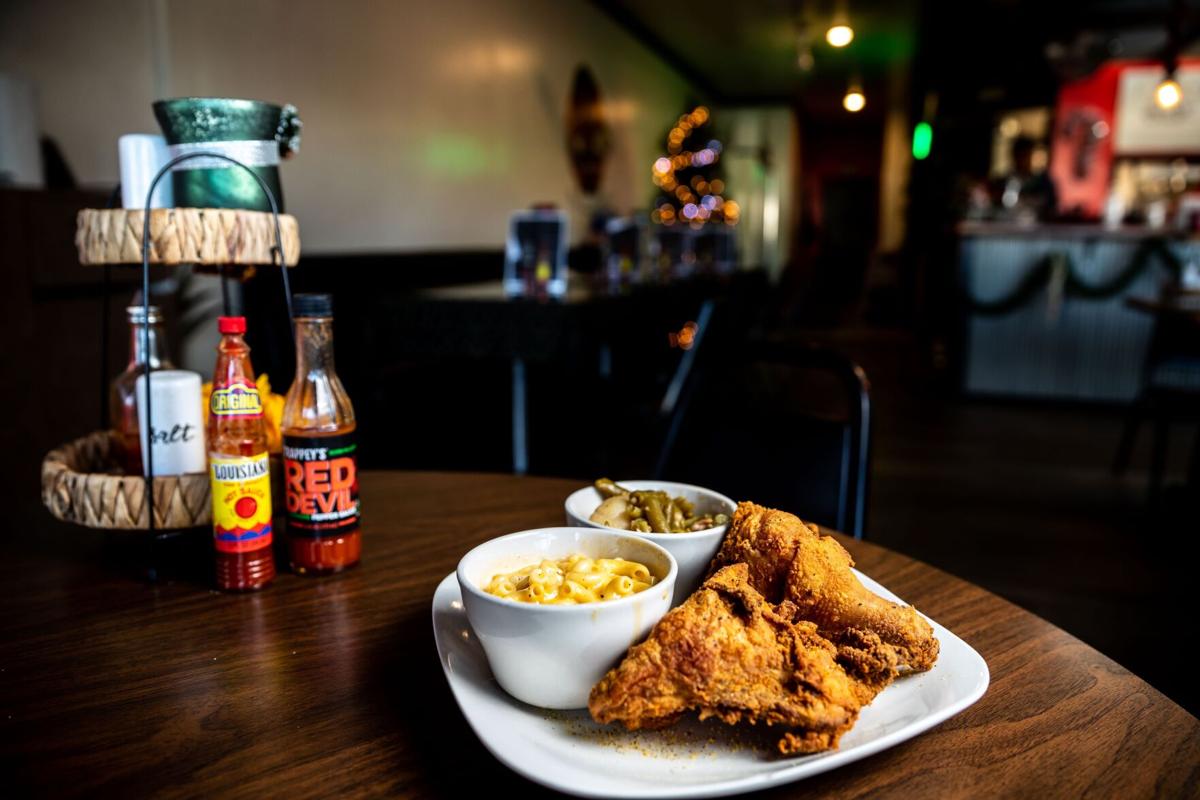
point(1043, 272)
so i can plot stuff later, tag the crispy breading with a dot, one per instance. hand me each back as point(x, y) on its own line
point(766, 541)
point(781, 632)
point(789, 560)
point(727, 653)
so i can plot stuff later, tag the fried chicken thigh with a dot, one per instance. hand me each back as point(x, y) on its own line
point(790, 561)
point(727, 653)
point(781, 632)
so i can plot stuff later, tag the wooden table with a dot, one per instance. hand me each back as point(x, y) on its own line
point(332, 687)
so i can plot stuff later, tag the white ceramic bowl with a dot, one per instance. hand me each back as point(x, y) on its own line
point(693, 551)
point(551, 656)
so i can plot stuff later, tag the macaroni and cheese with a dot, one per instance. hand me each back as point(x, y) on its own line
point(574, 579)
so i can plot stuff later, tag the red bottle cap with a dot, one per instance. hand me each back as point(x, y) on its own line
point(231, 324)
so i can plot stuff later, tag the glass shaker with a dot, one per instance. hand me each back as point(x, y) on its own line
point(123, 400)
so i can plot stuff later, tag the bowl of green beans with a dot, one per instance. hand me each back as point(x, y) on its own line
point(689, 521)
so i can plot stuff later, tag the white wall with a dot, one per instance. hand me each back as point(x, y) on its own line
point(760, 160)
point(90, 64)
point(425, 124)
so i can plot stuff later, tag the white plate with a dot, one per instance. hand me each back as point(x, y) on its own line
point(567, 751)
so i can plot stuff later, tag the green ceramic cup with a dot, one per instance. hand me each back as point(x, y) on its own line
point(257, 134)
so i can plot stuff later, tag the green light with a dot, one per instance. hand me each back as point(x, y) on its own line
point(922, 141)
point(456, 156)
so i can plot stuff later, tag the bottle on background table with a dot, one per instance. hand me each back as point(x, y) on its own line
point(238, 462)
point(319, 450)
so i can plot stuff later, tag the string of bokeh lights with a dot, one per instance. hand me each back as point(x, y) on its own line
point(696, 201)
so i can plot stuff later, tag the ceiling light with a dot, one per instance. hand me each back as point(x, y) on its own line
point(804, 50)
point(855, 100)
point(1168, 94)
point(839, 35)
point(805, 60)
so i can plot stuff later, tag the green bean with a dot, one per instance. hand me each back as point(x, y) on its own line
point(608, 488)
point(655, 516)
point(655, 511)
point(661, 497)
point(676, 519)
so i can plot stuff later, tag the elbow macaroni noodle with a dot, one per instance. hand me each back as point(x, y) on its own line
point(574, 579)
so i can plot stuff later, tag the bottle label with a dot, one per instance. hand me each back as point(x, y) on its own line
point(241, 494)
point(238, 400)
point(321, 474)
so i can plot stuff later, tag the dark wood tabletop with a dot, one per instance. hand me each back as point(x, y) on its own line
point(113, 685)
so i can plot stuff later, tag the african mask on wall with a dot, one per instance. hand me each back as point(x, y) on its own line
point(588, 137)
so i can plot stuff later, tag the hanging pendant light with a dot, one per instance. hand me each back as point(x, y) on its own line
point(1168, 94)
point(854, 99)
point(804, 50)
point(840, 33)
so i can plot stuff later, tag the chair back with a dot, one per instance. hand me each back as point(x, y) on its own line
point(783, 424)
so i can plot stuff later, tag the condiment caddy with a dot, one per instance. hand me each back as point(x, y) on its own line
point(81, 481)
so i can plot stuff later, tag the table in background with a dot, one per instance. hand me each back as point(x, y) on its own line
point(596, 330)
point(1181, 305)
point(324, 687)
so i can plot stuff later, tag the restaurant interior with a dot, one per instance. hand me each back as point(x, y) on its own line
point(924, 273)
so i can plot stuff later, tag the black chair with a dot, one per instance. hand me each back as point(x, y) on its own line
point(782, 424)
point(1170, 394)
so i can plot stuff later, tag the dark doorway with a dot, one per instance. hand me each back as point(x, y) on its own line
point(839, 226)
point(847, 238)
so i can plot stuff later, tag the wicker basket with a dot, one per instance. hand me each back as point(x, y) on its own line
point(211, 236)
point(81, 484)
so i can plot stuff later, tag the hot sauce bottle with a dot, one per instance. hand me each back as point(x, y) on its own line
point(238, 467)
point(319, 450)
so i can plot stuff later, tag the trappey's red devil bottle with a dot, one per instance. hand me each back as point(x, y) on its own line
point(319, 450)
point(238, 467)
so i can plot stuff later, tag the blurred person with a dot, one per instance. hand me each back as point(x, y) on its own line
point(1025, 193)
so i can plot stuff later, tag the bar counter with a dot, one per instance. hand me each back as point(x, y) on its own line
point(1046, 311)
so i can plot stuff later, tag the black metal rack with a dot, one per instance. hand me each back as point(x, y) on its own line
point(277, 259)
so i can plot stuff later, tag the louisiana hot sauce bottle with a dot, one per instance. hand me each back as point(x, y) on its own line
point(319, 450)
point(238, 467)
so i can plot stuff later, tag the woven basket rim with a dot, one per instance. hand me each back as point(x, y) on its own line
point(74, 491)
point(185, 235)
point(62, 457)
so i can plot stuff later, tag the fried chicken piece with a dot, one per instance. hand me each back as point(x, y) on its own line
point(766, 541)
point(870, 662)
point(789, 560)
point(826, 592)
point(727, 653)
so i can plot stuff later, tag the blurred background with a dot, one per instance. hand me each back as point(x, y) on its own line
point(923, 271)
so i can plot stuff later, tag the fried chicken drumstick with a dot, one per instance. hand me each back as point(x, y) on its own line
point(727, 653)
